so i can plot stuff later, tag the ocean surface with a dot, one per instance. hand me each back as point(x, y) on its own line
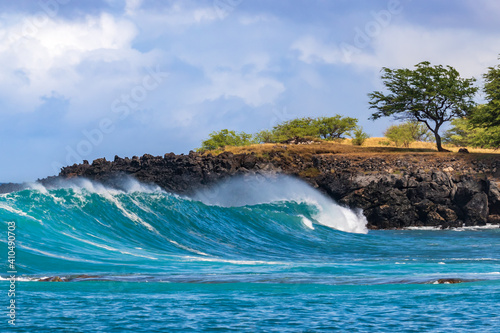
point(251, 255)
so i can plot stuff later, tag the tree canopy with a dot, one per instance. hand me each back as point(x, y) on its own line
point(300, 127)
point(488, 115)
point(465, 134)
point(336, 126)
point(224, 138)
point(328, 128)
point(429, 94)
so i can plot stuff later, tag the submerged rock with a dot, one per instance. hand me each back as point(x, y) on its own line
point(52, 279)
point(449, 281)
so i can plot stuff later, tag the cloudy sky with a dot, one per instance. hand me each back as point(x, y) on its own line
point(88, 79)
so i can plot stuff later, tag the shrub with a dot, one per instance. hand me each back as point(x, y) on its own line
point(224, 138)
point(406, 133)
point(359, 136)
point(265, 136)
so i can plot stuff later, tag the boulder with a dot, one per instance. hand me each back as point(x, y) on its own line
point(476, 210)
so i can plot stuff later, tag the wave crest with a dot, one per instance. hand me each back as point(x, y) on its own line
point(257, 189)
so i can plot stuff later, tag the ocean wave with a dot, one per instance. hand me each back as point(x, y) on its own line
point(87, 223)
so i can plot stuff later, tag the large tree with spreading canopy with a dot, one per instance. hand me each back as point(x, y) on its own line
point(428, 94)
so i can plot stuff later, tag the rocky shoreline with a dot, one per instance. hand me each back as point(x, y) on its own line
point(394, 190)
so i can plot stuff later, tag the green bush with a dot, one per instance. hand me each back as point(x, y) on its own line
point(406, 133)
point(224, 138)
point(265, 136)
point(329, 128)
point(465, 134)
point(359, 136)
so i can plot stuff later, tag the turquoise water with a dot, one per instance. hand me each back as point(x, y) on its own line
point(139, 259)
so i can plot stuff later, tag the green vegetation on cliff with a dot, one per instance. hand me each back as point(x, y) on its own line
point(224, 138)
point(326, 128)
point(406, 133)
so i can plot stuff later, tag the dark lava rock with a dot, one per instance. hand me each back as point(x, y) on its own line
point(52, 279)
point(401, 192)
point(11, 187)
point(449, 281)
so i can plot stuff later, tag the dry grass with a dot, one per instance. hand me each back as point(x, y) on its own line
point(300, 149)
point(378, 142)
point(371, 146)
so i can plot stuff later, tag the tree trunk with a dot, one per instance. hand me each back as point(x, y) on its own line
point(438, 142)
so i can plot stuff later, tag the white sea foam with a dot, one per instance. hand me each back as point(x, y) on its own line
point(186, 248)
point(38, 187)
point(478, 227)
point(253, 190)
point(130, 215)
point(128, 185)
point(21, 278)
point(48, 254)
point(107, 247)
point(18, 212)
point(125, 185)
point(238, 262)
point(308, 223)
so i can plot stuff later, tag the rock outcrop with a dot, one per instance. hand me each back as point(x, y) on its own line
point(393, 190)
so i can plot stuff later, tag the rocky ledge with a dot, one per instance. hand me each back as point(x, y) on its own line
point(394, 190)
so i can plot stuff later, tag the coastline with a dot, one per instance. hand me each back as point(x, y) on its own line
point(394, 190)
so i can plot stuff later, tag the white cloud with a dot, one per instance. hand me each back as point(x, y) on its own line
point(254, 89)
point(312, 50)
point(60, 56)
point(131, 6)
point(470, 51)
point(92, 61)
point(487, 11)
point(256, 19)
point(176, 18)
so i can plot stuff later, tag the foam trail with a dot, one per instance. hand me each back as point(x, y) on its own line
point(254, 190)
point(18, 212)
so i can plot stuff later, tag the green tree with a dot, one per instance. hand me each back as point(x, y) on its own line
point(465, 134)
point(334, 127)
point(428, 94)
point(406, 133)
point(488, 115)
point(322, 127)
point(459, 134)
point(264, 136)
point(224, 138)
point(300, 127)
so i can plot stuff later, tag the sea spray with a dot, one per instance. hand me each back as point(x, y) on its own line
point(256, 189)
